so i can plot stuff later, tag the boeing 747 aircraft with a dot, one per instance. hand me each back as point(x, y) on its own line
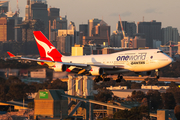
point(99, 65)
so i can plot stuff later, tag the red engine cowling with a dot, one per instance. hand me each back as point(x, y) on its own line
point(59, 67)
point(96, 71)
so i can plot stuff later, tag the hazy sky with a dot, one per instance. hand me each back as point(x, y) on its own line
point(79, 11)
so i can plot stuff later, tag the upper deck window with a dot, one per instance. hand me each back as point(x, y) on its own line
point(160, 52)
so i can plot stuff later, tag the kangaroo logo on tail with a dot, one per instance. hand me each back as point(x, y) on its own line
point(46, 49)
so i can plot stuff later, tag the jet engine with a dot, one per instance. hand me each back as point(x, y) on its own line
point(96, 71)
point(59, 67)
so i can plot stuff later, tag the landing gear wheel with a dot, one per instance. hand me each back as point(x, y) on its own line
point(97, 79)
point(157, 74)
point(120, 77)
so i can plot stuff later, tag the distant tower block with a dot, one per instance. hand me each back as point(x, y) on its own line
point(179, 48)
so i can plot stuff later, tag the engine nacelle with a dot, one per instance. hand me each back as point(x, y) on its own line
point(96, 71)
point(59, 67)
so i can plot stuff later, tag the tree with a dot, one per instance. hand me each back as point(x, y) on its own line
point(13, 80)
point(155, 100)
point(2, 80)
point(168, 100)
point(103, 95)
point(57, 84)
point(138, 96)
point(17, 91)
point(173, 85)
point(177, 112)
point(3, 92)
point(122, 114)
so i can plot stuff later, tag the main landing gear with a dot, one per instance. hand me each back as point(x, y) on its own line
point(101, 78)
point(120, 77)
point(157, 73)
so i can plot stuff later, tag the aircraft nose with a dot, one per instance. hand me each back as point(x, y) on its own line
point(170, 60)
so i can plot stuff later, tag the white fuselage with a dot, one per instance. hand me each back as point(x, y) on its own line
point(132, 60)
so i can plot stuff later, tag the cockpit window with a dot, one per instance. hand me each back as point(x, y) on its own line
point(160, 52)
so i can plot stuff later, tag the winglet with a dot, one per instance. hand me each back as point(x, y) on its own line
point(10, 54)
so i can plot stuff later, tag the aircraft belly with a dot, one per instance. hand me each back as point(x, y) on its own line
point(116, 71)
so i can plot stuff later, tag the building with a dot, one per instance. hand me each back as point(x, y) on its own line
point(91, 24)
point(99, 33)
point(28, 26)
point(67, 38)
point(4, 6)
point(170, 34)
point(37, 9)
point(101, 30)
point(83, 31)
point(83, 28)
point(65, 42)
point(138, 42)
point(77, 50)
point(115, 39)
point(28, 9)
point(3, 28)
point(129, 28)
point(28, 43)
point(53, 14)
point(157, 43)
point(60, 23)
point(94, 40)
point(152, 30)
point(8, 32)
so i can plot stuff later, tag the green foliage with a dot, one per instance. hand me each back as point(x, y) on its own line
point(103, 95)
point(168, 100)
point(2, 80)
point(173, 71)
point(138, 96)
point(17, 91)
point(155, 100)
point(173, 85)
point(58, 84)
point(136, 113)
point(122, 114)
point(177, 111)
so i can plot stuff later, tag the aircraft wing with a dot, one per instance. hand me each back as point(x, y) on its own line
point(12, 56)
point(75, 67)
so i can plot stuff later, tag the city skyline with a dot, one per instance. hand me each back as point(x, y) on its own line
point(80, 11)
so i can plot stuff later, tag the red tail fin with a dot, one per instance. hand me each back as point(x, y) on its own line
point(46, 50)
point(10, 54)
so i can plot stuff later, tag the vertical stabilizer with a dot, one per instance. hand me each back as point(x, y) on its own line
point(47, 51)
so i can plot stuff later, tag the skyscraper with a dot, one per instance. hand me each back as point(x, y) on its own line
point(101, 30)
point(91, 24)
point(60, 23)
point(83, 28)
point(37, 9)
point(53, 13)
point(170, 34)
point(3, 28)
point(129, 28)
point(152, 30)
point(4, 6)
